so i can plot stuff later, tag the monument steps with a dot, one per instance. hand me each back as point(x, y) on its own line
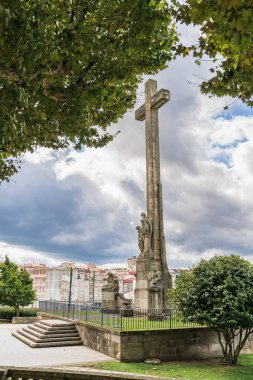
point(49, 332)
point(29, 330)
point(52, 333)
point(46, 339)
point(52, 328)
point(45, 344)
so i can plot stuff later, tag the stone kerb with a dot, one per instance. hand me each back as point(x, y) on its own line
point(20, 320)
point(69, 374)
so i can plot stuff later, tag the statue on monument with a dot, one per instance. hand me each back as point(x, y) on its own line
point(112, 283)
point(144, 235)
point(140, 238)
point(113, 300)
point(155, 281)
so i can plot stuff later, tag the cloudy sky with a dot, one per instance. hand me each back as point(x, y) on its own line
point(84, 206)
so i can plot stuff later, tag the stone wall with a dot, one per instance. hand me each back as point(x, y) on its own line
point(100, 338)
point(17, 320)
point(177, 344)
point(135, 346)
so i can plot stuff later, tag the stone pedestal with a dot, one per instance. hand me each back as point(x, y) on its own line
point(115, 300)
point(155, 300)
point(109, 299)
point(147, 295)
point(141, 290)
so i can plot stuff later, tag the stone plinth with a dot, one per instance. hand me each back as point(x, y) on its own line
point(141, 290)
point(114, 300)
point(147, 296)
point(155, 300)
point(109, 299)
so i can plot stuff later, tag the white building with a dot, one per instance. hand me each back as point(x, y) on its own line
point(83, 281)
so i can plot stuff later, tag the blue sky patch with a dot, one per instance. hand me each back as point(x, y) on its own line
point(237, 109)
point(223, 158)
point(233, 144)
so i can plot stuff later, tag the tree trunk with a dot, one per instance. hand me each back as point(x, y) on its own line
point(17, 310)
point(233, 343)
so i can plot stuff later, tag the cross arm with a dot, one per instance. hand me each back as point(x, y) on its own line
point(140, 113)
point(160, 98)
point(157, 101)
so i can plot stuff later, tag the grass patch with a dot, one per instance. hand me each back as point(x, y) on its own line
point(186, 370)
point(125, 323)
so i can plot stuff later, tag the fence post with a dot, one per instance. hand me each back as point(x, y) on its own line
point(170, 317)
point(5, 374)
point(102, 317)
point(121, 320)
point(86, 313)
point(54, 307)
point(68, 309)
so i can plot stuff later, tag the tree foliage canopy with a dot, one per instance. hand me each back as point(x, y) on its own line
point(70, 68)
point(219, 293)
point(15, 286)
point(226, 37)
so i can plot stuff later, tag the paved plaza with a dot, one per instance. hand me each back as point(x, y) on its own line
point(13, 352)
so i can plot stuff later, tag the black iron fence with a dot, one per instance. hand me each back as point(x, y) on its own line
point(122, 319)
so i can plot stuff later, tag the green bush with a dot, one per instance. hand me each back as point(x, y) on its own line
point(8, 313)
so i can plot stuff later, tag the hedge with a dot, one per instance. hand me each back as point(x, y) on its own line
point(8, 313)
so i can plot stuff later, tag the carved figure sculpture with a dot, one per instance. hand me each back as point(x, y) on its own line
point(155, 281)
point(146, 226)
point(144, 235)
point(112, 283)
point(140, 238)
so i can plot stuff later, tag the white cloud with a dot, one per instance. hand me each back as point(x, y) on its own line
point(22, 255)
point(40, 156)
point(107, 169)
point(85, 205)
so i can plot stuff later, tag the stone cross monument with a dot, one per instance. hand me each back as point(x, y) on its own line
point(152, 275)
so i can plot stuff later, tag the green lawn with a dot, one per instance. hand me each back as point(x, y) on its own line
point(187, 370)
point(126, 324)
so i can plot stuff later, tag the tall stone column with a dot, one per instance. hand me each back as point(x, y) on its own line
point(152, 275)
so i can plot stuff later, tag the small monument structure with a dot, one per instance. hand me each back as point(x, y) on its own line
point(152, 275)
point(111, 298)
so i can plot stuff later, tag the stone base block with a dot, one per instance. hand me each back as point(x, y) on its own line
point(141, 299)
point(109, 299)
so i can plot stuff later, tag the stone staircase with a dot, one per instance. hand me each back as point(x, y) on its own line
point(49, 333)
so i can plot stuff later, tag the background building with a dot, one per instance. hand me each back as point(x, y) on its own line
point(87, 281)
point(38, 273)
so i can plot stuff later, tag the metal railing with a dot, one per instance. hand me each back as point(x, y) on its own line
point(121, 319)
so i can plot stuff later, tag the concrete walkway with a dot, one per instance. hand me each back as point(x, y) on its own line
point(13, 352)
